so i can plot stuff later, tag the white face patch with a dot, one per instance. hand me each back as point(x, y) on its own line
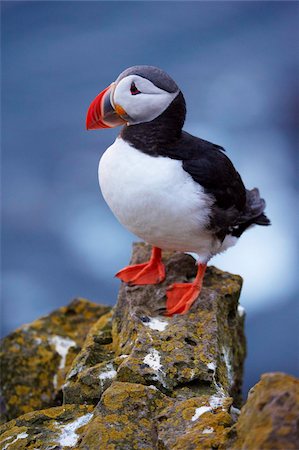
point(144, 107)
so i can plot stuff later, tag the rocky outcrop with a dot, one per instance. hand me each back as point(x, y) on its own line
point(181, 356)
point(36, 357)
point(141, 380)
point(269, 419)
point(53, 428)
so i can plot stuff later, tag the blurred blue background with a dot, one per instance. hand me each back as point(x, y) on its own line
point(237, 65)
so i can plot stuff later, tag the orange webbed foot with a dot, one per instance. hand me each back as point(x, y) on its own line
point(181, 296)
point(151, 272)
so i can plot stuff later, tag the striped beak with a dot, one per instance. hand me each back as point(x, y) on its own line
point(101, 113)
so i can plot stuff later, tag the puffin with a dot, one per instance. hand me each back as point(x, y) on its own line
point(173, 190)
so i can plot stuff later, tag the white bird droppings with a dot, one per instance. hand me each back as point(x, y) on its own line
point(200, 411)
point(77, 369)
point(19, 436)
point(241, 311)
point(68, 435)
point(108, 374)
point(212, 366)
point(62, 346)
point(156, 324)
point(227, 360)
point(214, 403)
point(208, 430)
point(153, 359)
point(234, 410)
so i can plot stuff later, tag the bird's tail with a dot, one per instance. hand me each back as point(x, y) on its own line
point(253, 213)
point(254, 209)
point(262, 219)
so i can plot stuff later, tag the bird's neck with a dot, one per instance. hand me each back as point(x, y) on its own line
point(154, 136)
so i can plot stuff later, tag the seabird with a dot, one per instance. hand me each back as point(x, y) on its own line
point(173, 190)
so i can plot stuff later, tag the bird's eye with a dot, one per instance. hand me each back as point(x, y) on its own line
point(134, 90)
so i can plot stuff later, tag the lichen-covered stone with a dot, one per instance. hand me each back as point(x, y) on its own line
point(150, 381)
point(185, 356)
point(36, 357)
point(196, 423)
point(53, 428)
point(124, 418)
point(269, 419)
point(203, 350)
point(135, 416)
point(93, 370)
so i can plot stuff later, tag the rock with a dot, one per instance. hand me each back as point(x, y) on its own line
point(269, 419)
point(93, 369)
point(141, 380)
point(147, 372)
point(124, 418)
point(202, 422)
point(202, 352)
point(52, 428)
point(134, 416)
point(150, 381)
point(36, 357)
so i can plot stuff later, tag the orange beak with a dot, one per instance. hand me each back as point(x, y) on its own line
point(101, 113)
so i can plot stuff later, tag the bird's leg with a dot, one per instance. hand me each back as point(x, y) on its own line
point(151, 272)
point(181, 296)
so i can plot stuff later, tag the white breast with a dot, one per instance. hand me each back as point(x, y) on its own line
point(156, 199)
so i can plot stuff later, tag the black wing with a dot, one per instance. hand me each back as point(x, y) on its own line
point(211, 168)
